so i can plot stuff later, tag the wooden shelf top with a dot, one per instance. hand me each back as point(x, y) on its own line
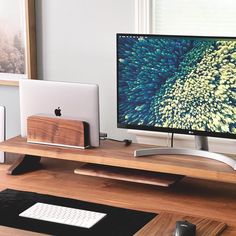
point(117, 154)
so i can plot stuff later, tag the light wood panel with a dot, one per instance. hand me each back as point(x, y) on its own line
point(190, 197)
point(31, 39)
point(117, 154)
point(9, 83)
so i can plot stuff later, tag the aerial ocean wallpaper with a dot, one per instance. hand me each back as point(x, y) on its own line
point(177, 82)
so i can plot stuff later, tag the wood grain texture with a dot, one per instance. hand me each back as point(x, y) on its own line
point(116, 154)
point(54, 130)
point(31, 39)
point(164, 224)
point(126, 174)
point(190, 197)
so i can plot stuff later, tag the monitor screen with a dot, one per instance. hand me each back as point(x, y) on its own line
point(178, 84)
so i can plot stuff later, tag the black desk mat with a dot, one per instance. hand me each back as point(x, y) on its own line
point(118, 222)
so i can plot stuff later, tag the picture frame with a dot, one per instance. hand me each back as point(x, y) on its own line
point(20, 61)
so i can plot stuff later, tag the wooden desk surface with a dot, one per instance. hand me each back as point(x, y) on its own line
point(116, 154)
point(200, 198)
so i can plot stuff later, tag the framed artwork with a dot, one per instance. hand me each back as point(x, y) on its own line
point(17, 41)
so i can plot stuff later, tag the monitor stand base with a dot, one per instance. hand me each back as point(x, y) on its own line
point(191, 152)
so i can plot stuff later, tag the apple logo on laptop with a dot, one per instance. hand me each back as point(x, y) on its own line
point(58, 111)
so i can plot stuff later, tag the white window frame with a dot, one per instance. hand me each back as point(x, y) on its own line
point(143, 16)
point(145, 23)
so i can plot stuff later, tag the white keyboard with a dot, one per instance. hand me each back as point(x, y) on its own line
point(63, 215)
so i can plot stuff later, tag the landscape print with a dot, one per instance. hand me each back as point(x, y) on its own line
point(12, 46)
point(177, 82)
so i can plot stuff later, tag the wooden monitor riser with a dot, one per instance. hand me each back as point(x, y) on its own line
point(115, 154)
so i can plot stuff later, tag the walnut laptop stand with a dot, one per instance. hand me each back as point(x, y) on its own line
point(58, 131)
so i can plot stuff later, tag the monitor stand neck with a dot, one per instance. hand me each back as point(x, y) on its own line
point(201, 150)
point(201, 143)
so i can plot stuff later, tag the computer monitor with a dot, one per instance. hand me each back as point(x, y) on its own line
point(177, 84)
point(71, 100)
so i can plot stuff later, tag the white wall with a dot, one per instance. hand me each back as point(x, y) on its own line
point(9, 97)
point(76, 43)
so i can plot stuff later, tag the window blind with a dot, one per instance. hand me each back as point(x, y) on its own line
point(194, 17)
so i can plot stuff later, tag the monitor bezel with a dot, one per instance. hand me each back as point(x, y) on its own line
point(164, 129)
